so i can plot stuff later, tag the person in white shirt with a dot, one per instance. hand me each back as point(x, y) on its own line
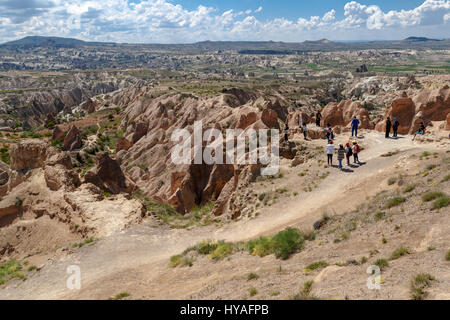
point(330, 150)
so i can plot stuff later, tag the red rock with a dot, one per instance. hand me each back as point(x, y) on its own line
point(108, 176)
point(72, 140)
point(123, 144)
point(270, 119)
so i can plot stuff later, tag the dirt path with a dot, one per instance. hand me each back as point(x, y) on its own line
point(143, 250)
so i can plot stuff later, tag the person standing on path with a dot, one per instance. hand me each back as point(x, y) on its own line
point(318, 118)
point(348, 152)
point(355, 124)
point(388, 127)
point(341, 155)
point(330, 150)
point(286, 132)
point(395, 127)
point(356, 151)
point(304, 129)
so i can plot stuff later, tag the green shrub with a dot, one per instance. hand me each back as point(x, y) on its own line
point(11, 269)
point(399, 252)
point(391, 181)
point(175, 260)
point(120, 296)
point(432, 195)
point(446, 178)
point(223, 249)
point(253, 292)
point(382, 263)
point(447, 256)
point(252, 276)
point(419, 284)
point(305, 293)
point(441, 203)
point(287, 242)
point(395, 202)
point(409, 188)
point(206, 247)
point(260, 247)
point(317, 265)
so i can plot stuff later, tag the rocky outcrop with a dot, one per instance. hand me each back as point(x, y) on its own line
point(89, 106)
point(108, 176)
point(140, 130)
point(342, 113)
point(123, 144)
point(404, 110)
point(28, 154)
point(58, 134)
point(447, 122)
point(58, 173)
point(72, 140)
point(270, 118)
point(199, 185)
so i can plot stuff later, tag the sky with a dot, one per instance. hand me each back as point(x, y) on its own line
point(188, 21)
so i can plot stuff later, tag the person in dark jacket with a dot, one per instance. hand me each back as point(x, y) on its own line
point(421, 130)
point(348, 152)
point(340, 155)
point(304, 129)
point(318, 118)
point(395, 127)
point(388, 127)
point(286, 132)
point(355, 124)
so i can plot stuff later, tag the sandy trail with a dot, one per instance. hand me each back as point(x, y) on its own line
point(146, 247)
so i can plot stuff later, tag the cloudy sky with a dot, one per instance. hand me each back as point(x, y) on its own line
point(186, 21)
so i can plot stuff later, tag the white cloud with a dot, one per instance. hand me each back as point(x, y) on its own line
point(163, 21)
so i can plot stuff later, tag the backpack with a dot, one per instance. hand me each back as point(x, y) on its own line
point(357, 149)
point(349, 151)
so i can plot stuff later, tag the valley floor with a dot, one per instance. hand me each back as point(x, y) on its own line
point(136, 260)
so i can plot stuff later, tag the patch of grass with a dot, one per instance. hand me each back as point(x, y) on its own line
point(447, 256)
point(441, 202)
point(11, 269)
point(446, 178)
point(379, 215)
point(418, 285)
point(390, 153)
point(305, 293)
point(409, 188)
point(120, 296)
point(432, 195)
point(317, 265)
point(275, 293)
point(252, 276)
point(400, 252)
point(31, 268)
point(395, 202)
point(253, 292)
point(81, 244)
point(283, 244)
point(287, 242)
point(260, 247)
point(391, 181)
point(223, 249)
point(382, 263)
point(175, 260)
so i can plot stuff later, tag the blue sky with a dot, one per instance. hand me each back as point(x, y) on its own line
point(293, 9)
point(187, 21)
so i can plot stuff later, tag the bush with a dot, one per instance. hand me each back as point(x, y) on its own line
point(441, 203)
point(447, 256)
point(395, 202)
point(287, 242)
point(260, 247)
point(252, 276)
point(419, 284)
point(382, 263)
point(400, 252)
point(11, 269)
point(316, 265)
point(409, 188)
point(223, 249)
point(206, 247)
point(431, 195)
point(391, 181)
